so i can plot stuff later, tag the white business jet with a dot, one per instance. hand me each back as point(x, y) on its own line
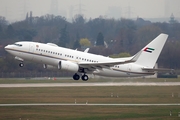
point(83, 63)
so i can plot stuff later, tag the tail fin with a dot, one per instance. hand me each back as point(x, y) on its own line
point(150, 53)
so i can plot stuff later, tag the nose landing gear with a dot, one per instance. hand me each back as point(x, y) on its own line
point(21, 64)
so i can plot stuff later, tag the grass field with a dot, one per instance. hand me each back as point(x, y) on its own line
point(89, 113)
point(126, 94)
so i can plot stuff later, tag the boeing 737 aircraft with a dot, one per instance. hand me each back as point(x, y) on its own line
point(83, 63)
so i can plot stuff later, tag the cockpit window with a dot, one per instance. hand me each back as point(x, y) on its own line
point(19, 45)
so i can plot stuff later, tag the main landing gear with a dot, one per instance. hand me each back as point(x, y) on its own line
point(84, 77)
point(77, 77)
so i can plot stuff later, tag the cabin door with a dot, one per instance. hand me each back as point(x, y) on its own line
point(31, 50)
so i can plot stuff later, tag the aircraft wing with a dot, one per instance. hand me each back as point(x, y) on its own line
point(103, 64)
point(100, 65)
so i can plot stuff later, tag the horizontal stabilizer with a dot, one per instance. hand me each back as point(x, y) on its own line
point(158, 69)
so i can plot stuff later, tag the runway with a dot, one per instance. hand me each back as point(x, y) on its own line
point(91, 84)
point(81, 104)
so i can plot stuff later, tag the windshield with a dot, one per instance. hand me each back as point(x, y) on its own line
point(17, 44)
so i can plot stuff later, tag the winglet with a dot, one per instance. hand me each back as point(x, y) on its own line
point(86, 51)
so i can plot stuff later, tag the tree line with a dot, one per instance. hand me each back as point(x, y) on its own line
point(103, 35)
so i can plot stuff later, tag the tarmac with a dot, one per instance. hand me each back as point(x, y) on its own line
point(91, 84)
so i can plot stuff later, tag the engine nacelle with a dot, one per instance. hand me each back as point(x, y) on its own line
point(68, 66)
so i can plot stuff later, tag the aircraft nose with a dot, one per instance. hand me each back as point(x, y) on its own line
point(6, 47)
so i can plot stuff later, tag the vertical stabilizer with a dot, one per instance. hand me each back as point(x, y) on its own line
point(151, 52)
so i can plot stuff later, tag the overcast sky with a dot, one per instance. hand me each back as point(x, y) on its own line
point(17, 9)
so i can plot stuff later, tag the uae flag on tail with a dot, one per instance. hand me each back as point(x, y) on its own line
point(149, 50)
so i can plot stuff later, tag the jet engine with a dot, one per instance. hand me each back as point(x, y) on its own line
point(68, 66)
point(63, 65)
